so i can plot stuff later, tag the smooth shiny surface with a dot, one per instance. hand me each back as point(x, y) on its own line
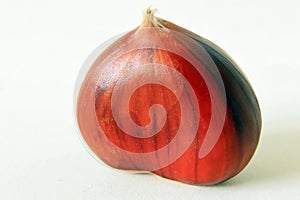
point(98, 115)
point(43, 45)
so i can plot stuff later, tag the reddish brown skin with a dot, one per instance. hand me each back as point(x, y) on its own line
point(228, 157)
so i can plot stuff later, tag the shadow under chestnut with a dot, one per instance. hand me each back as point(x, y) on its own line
point(277, 158)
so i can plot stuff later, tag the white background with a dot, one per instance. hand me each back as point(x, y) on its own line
point(42, 47)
